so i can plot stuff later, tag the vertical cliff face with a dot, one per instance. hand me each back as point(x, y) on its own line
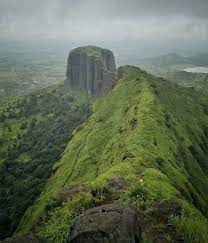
point(92, 69)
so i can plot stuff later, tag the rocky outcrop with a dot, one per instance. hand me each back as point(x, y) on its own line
point(108, 223)
point(92, 69)
point(29, 238)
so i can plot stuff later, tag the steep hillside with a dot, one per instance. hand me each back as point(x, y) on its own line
point(198, 81)
point(34, 131)
point(149, 136)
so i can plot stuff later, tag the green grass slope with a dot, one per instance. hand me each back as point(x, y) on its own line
point(151, 133)
point(34, 131)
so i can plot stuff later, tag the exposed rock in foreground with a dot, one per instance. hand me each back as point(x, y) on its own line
point(109, 223)
point(29, 238)
point(92, 69)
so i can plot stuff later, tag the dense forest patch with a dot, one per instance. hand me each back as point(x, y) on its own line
point(34, 132)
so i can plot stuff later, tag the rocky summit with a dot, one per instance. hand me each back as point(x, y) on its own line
point(92, 69)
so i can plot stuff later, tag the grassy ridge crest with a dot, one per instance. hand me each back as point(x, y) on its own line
point(151, 133)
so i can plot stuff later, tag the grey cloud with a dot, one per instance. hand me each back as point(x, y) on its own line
point(104, 19)
point(107, 8)
point(197, 8)
point(136, 8)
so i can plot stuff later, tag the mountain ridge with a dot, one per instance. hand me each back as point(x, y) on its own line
point(140, 131)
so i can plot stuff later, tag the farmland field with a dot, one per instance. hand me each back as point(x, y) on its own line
point(24, 69)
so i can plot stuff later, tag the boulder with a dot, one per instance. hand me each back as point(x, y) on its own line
point(92, 69)
point(164, 210)
point(108, 223)
point(116, 182)
point(29, 238)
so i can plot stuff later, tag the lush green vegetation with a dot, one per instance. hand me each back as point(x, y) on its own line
point(151, 133)
point(34, 131)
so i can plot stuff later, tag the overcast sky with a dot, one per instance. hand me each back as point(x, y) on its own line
point(105, 20)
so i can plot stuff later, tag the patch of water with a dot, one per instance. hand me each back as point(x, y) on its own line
point(197, 70)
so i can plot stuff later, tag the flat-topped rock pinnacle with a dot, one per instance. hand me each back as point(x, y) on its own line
point(92, 69)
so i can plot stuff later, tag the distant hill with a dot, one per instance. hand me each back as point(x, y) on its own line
point(198, 81)
point(172, 61)
point(199, 59)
